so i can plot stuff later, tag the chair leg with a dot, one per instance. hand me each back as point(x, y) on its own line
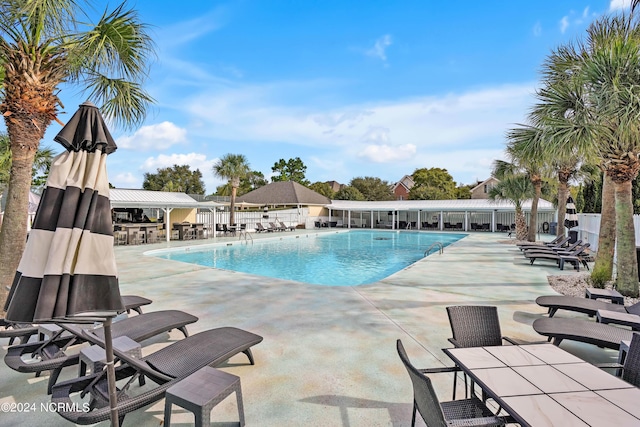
point(413, 417)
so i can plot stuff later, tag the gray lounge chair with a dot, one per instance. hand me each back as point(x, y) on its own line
point(575, 257)
point(165, 367)
point(559, 329)
point(582, 305)
point(260, 228)
point(464, 412)
point(557, 242)
point(554, 249)
point(24, 331)
point(50, 355)
point(287, 227)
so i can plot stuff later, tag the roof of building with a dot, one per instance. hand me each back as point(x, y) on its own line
point(437, 205)
point(133, 198)
point(284, 193)
point(491, 178)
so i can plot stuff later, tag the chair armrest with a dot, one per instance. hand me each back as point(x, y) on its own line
point(440, 370)
point(516, 341)
point(453, 341)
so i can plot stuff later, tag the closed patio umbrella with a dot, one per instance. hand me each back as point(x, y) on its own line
point(571, 217)
point(68, 271)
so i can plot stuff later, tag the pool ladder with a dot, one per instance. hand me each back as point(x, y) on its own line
point(435, 244)
point(247, 236)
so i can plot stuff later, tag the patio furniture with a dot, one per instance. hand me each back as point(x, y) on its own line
point(616, 318)
point(166, 367)
point(599, 334)
point(628, 366)
point(471, 412)
point(94, 357)
point(200, 392)
point(24, 331)
point(273, 226)
point(260, 228)
point(542, 385)
point(582, 305)
point(287, 227)
point(51, 354)
point(573, 256)
point(610, 294)
point(558, 243)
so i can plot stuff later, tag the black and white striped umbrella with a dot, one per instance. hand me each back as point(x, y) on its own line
point(68, 268)
point(571, 217)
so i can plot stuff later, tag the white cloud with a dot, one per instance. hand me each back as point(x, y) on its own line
point(154, 137)
point(537, 29)
point(379, 48)
point(388, 153)
point(126, 180)
point(615, 5)
point(564, 24)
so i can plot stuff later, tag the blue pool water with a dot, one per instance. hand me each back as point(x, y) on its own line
point(334, 259)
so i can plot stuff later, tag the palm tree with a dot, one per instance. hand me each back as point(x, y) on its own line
point(525, 151)
point(44, 43)
point(233, 167)
point(517, 189)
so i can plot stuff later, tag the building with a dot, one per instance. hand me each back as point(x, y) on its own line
point(401, 188)
point(481, 190)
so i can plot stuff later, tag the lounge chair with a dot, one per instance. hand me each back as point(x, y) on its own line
point(50, 354)
point(553, 249)
point(287, 227)
point(583, 305)
point(165, 367)
point(24, 331)
point(275, 227)
point(561, 257)
point(260, 228)
point(557, 242)
point(559, 329)
point(464, 412)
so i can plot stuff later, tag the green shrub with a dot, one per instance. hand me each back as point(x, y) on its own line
point(599, 277)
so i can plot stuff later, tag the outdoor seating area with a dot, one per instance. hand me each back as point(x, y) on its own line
point(374, 396)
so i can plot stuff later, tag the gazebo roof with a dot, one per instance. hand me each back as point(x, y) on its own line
point(284, 193)
point(133, 198)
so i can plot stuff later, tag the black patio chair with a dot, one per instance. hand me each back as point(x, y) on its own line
point(464, 412)
point(630, 369)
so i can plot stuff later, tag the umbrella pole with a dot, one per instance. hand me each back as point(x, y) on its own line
point(111, 373)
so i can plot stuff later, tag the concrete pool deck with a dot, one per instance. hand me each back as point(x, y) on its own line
point(328, 357)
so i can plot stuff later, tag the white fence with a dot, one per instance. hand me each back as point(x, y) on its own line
point(291, 217)
point(589, 229)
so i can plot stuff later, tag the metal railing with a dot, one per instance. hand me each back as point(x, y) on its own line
point(433, 245)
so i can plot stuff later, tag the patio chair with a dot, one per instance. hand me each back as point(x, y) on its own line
point(559, 329)
point(24, 331)
point(557, 242)
point(165, 367)
point(630, 369)
point(275, 227)
point(50, 354)
point(582, 305)
point(476, 326)
point(464, 412)
point(560, 257)
point(553, 249)
point(287, 227)
point(260, 228)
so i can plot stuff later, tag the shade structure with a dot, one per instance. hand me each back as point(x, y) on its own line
point(68, 271)
point(571, 217)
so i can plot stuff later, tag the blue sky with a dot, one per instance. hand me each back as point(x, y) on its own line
point(353, 88)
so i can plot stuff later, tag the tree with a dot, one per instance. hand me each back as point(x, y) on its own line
point(233, 167)
point(290, 170)
point(432, 184)
point(176, 178)
point(41, 164)
point(372, 188)
point(43, 44)
point(253, 180)
point(515, 188)
point(323, 188)
point(349, 193)
point(464, 191)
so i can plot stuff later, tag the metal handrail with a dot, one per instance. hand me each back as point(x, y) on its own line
point(246, 235)
point(433, 245)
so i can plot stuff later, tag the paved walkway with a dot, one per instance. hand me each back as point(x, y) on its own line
point(328, 357)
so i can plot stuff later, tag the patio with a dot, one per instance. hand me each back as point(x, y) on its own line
point(328, 357)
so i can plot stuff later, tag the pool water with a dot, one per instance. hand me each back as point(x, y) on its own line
point(334, 259)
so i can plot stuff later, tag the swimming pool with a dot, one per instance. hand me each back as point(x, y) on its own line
point(335, 259)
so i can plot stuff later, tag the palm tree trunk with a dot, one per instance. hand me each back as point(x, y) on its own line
point(13, 235)
point(533, 219)
point(521, 224)
point(563, 194)
point(232, 207)
point(603, 268)
point(627, 265)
